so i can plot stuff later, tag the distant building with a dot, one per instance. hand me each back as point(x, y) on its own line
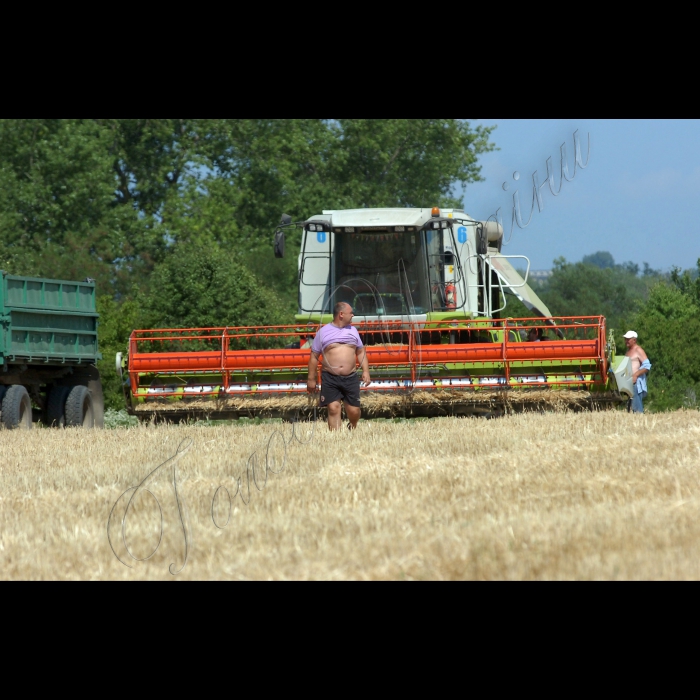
point(539, 276)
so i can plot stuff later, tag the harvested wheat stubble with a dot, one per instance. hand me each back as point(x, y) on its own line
point(531, 496)
point(395, 404)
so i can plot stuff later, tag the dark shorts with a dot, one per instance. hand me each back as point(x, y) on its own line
point(335, 388)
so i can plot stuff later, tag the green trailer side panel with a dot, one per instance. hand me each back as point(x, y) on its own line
point(47, 321)
point(55, 295)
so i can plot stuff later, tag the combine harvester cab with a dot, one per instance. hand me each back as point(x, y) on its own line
point(429, 289)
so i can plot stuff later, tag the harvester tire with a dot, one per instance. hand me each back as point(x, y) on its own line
point(56, 407)
point(17, 408)
point(80, 411)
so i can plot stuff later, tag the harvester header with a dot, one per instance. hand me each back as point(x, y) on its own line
point(430, 290)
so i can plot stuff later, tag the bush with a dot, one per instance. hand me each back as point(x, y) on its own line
point(669, 331)
point(202, 285)
point(119, 419)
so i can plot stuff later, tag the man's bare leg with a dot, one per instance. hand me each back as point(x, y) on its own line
point(334, 416)
point(353, 414)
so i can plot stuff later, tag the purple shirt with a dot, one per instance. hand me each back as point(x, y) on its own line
point(332, 334)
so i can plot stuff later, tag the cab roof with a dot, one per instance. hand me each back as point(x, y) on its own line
point(368, 218)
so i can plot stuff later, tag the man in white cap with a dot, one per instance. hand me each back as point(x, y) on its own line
point(640, 369)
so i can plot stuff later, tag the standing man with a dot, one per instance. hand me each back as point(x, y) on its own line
point(342, 350)
point(640, 368)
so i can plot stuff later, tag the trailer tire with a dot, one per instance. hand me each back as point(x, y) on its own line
point(17, 408)
point(56, 407)
point(80, 412)
point(3, 389)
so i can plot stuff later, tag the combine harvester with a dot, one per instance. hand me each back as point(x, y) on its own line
point(430, 290)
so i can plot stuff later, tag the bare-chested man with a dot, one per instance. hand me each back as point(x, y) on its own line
point(640, 368)
point(342, 350)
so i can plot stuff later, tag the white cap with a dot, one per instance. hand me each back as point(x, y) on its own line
point(630, 334)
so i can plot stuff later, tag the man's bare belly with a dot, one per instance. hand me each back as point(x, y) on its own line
point(340, 359)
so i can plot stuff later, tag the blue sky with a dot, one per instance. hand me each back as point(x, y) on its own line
point(639, 197)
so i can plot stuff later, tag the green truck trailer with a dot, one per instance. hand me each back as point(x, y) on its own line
point(48, 351)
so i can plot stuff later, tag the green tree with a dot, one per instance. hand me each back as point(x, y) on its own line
point(117, 321)
point(259, 168)
point(157, 165)
point(56, 191)
point(59, 208)
point(91, 197)
point(303, 166)
point(669, 331)
point(200, 286)
point(578, 289)
point(405, 162)
point(601, 259)
point(688, 283)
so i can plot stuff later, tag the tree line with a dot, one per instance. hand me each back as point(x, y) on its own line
point(113, 198)
point(173, 218)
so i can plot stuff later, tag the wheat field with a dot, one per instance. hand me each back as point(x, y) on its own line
point(574, 496)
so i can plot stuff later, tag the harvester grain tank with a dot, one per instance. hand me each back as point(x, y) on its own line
point(430, 290)
point(48, 351)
